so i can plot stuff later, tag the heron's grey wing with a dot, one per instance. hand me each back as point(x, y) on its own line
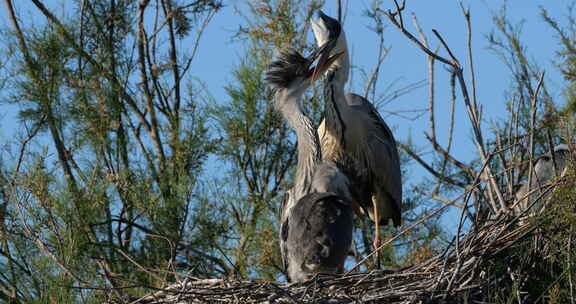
point(382, 130)
point(321, 229)
point(562, 147)
point(543, 174)
point(382, 142)
point(561, 156)
point(543, 171)
point(544, 167)
point(521, 196)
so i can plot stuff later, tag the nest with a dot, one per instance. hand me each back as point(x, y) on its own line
point(452, 275)
point(499, 256)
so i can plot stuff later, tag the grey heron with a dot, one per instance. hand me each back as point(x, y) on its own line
point(316, 218)
point(356, 138)
point(544, 172)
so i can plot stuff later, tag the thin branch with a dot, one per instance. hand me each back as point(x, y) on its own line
point(339, 5)
point(125, 95)
point(455, 63)
point(429, 168)
point(382, 52)
point(446, 201)
point(392, 18)
point(552, 154)
point(473, 112)
point(167, 7)
point(533, 107)
point(409, 228)
point(449, 157)
point(466, 13)
point(430, 61)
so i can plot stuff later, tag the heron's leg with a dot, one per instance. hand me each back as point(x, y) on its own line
point(376, 242)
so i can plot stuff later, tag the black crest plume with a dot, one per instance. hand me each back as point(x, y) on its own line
point(288, 66)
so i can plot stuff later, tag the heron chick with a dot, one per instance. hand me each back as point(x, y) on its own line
point(546, 168)
point(355, 137)
point(316, 218)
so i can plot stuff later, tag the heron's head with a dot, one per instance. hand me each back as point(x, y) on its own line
point(291, 73)
point(329, 34)
point(326, 29)
point(562, 148)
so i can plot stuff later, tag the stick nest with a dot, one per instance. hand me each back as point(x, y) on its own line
point(455, 274)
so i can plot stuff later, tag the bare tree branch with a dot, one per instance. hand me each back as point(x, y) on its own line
point(473, 112)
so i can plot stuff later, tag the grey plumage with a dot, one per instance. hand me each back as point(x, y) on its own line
point(317, 235)
point(378, 176)
point(315, 218)
point(535, 196)
point(355, 137)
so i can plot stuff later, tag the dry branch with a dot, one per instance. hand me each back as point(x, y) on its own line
point(448, 275)
point(460, 272)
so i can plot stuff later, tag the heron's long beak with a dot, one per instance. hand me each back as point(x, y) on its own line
point(328, 30)
point(324, 61)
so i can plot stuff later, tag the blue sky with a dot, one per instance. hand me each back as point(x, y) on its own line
point(219, 54)
point(406, 64)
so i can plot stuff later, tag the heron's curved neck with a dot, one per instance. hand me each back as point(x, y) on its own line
point(335, 108)
point(344, 61)
point(336, 80)
point(309, 155)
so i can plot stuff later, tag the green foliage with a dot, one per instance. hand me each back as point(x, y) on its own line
point(104, 190)
point(110, 188)
point(566, 61)
point(540, 268)
point(506, 42)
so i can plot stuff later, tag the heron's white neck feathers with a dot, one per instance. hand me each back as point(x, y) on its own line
point(322, 35)
point(343, 62)
point(320, 30)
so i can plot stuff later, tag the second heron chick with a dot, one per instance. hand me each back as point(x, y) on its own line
point(355, 137)
point(316, 218)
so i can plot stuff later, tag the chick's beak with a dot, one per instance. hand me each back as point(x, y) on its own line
point(324, 61)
